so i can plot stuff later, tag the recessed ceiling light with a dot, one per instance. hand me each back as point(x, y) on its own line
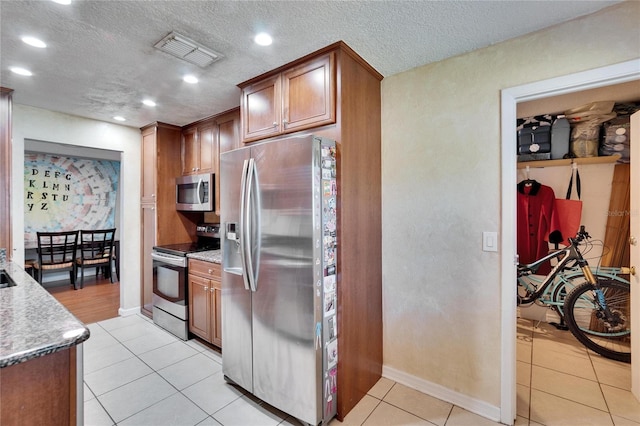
point(21, 71)
point(62, 1)
point(149, 102)
point(32, 41)
point(190, 79)
point(119, 118)
point(263, 39)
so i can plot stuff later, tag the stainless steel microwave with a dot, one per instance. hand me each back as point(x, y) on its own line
point(196, 193)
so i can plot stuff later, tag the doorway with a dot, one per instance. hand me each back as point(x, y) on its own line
point(602, 77)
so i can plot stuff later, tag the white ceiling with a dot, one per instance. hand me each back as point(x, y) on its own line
point(100, 60)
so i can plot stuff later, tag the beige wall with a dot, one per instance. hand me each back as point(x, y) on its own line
point(441, 176)
point(43, 125)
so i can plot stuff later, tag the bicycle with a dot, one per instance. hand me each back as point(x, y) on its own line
point(594, 304)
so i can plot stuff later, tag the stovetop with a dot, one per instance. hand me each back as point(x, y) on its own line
point(208, 239)
point(182, 249)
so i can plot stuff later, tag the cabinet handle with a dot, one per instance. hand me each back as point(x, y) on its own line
point(206, 288)
point(213, 289)
point(275, 124)
point(210, 271)
point(285, 122)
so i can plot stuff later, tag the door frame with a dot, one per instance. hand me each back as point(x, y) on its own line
point(510, 97)
point(634, 255)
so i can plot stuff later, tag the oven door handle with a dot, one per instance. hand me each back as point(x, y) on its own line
point(169, 260)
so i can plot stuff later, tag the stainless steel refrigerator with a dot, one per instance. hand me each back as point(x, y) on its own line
point(279, 328)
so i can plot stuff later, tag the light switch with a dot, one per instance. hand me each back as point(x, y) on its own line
point(489, 241)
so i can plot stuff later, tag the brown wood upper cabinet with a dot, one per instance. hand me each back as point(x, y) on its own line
point(203, 141)
point(228, 130)
point(290, 100)
point(199, 148)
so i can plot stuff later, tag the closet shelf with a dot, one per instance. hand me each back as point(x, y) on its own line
point(568, 161)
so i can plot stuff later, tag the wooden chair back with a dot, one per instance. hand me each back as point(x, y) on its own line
point(96, 246)
point(57, 250)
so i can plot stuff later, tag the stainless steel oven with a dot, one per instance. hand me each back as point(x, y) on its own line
point(170, 280)
point(170, 306)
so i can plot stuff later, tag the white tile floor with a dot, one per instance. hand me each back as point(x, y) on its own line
point(137, 374)
point(560, 382)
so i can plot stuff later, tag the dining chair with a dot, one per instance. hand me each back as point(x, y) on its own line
point(56, 252)
point(96, 251)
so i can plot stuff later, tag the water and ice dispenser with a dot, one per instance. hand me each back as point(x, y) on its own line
point(231, 251)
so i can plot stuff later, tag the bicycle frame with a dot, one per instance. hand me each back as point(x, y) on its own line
point(565, 256)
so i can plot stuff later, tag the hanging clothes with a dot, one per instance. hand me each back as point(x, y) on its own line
point(538, 224)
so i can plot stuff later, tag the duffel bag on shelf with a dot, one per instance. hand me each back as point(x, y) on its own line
point(534, 138)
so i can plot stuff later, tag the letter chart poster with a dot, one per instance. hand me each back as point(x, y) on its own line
point(66, 194)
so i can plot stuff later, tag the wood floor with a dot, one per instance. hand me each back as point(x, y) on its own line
point(97, 301)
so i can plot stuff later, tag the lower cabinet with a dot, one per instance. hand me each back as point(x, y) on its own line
point(205, 301)
point(42, 391)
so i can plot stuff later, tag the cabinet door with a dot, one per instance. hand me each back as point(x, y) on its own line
point(5, 168)
point(149, 166)
point(228, 128)
point(199, 307)
point(208, 149)
point(228, 140)
point(308, 93)
point(189, 151)
point(261, 109)
point(216, 315)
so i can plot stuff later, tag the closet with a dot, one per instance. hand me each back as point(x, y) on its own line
point(545, 352)
point(604, 180)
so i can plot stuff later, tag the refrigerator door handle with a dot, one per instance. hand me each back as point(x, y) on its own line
point(243, 230)
point(248, 244)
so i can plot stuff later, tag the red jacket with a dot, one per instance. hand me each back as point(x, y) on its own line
point(538, 224)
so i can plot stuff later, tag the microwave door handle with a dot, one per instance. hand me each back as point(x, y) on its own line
point(241, 230)
point(200, 192)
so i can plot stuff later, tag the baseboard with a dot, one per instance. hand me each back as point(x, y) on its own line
point(473, 405)
point(128, 312)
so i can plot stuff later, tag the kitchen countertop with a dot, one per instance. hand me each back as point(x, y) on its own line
point(32, 322)
point(213, 256)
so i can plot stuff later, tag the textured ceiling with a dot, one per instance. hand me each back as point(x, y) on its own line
point(100, 60)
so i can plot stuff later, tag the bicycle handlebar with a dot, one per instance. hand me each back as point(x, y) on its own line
point(581, 235)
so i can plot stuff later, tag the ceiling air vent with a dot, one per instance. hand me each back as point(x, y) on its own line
point(188, 50)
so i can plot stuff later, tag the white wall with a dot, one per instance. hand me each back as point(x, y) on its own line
point(42, 125)
point(441, 176)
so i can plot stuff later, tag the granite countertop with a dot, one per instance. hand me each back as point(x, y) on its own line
point(32, 322)
point(213, 256)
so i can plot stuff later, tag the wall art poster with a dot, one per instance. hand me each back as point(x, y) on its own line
point(65, 194)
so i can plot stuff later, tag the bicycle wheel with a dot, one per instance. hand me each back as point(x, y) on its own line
point(587, 321)
point(566, 283)
point(561, 288)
